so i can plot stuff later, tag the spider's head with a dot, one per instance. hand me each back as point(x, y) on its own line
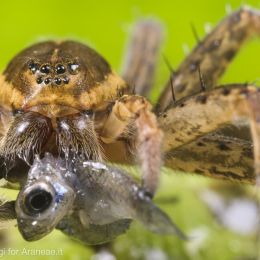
point(58, 79)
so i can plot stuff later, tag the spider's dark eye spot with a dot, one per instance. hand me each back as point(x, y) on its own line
point(66, 80)
point(39, 80)
point(60, 69)
point(47, 81)
point(73, 68)
point(57, 81)
point(46, 68)
point(37, 201)
point(33, 66)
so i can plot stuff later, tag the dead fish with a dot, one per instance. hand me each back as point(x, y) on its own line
point(89, 201)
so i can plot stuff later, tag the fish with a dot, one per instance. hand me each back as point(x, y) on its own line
point(89, 201)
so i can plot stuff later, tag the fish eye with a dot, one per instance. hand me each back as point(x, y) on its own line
point(37, 200)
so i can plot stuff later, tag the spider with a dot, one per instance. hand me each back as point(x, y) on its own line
point(63, 98)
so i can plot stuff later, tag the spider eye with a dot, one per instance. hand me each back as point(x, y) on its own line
point(66, 80)
point(39, 80)
point(47, 81)
point(46, 68)
point(33, 66)
point(57, 81)
point(37, 201)
point(60, 69)
point(73, 68)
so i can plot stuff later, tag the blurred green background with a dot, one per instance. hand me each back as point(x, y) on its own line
point(106, 26)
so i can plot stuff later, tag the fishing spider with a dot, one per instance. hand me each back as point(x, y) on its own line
point(63, 98)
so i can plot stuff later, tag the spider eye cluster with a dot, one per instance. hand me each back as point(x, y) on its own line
point(57, 74)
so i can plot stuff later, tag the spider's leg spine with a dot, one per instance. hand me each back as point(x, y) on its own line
point(168, 64)
point(195, 33)
point(202, 82)
point(172, 88)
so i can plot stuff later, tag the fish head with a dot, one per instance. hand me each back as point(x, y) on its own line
point(44, 200)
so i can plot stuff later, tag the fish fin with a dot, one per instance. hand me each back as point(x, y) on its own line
point(155, 219)
point(7, 213)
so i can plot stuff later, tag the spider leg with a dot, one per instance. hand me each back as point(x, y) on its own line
point(215, 156)
point(141, 58)
point(131, 118)
point(212, 55)
point(255, 131)
point(200, 114)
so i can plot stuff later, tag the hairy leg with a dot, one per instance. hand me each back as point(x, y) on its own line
point(212, 55)
point(141, 60)
point(254, 105)
point(200, 114)
point(216, 156)
point(131, 118)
